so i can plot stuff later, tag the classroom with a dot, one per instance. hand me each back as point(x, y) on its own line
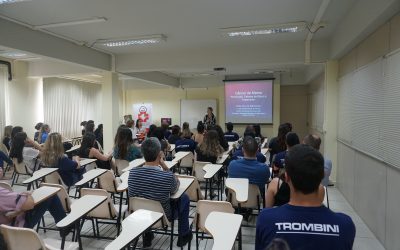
point(199, 124)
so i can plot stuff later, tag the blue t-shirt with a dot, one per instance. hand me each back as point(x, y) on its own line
point(44, 137)
point(305, 228)
point(257, 172)
point(239, 155)
point(231, 136)
point(279, 160)
point(185, 144)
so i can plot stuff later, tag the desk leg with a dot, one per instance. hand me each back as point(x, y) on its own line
point(119, 213)
point(211, 193)
point(240, 238)
point(205, 196)
point(78, 233)
point(63, 239)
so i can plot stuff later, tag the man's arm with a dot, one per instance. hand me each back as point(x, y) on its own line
point(175, 184)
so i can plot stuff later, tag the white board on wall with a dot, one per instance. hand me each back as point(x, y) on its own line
point(193, 111)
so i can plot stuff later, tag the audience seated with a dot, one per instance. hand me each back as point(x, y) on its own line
point(277, 144)
point(175, 134)
point(185, 143)
point(229, 134)
point(152, 181)
point(44, 132)
point(278, 161)
point(210, 149)
point(304, 223)
point(238, 154)
point(165, 127)
point(25, 150)
point(224, 144)
point(151, 130)
point(199, 136)
point(248, 167)
point(14, 131)
point(315, 142)
point(83, 124)
point(7, 136)
point(87, 150)
point(257, 130)
point(52, 155)
point(124, 147)
point(38, 128)
point(99, 134)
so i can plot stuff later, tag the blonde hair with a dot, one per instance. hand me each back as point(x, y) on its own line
point(53, 150)
point(210, 145)
point(7, 131)
point(186, 133)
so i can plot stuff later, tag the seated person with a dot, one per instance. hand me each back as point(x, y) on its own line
point(248, 167)
point(210, 149)
point(304, 223)
point(315, 142)
point(155, 182)
point(278, 162)
point(175, 134)
point(22, 203)
point(87, 150)
point(4, 158)
point(22, 151)
point(277, 144)
point(53, 155)
point(199, 136)
point(38, 128)
point(238, 154)
point(159, 134)
point(229, 134)
point(165, 128)
point(185, 143)
point(224, 144)
point(44, 132)
point(124, 148)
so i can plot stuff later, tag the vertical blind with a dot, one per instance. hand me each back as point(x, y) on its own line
point(369, 109)
point(68, 102)
point(317, 97)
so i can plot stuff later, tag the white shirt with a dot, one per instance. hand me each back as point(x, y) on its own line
point(30, 154)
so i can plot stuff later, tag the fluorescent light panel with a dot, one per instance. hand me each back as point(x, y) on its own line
point(133, 41)
point(14, 54)
point(265, 29)
point(12, 1)
point(71, 23)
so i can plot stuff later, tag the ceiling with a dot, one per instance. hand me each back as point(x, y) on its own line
point(189, 25)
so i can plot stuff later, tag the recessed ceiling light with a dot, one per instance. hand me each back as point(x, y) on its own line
point(264, 29)
point(12, 1)
point(14, 54)
point(132, 41)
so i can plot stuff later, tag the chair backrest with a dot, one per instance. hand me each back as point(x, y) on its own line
point(136, 203)
point(198, 171)
point(193, 191)
point(254, 197)
point(90, 166)
point(205, 207)
point(21, 238)
point(54, 178)
point(105, 210)
point(187, 161)
point(108, 182)
point(20, 168)
point(62, 195)
point(4, 148)
point(118, 165)
point(5, 185)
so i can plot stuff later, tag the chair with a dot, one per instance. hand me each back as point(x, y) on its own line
point(117, 165)
point(204, 208)
point(105, 211)
point(5, 151)
point(110, 183)
point(28, 239)
point(5, 185)
point(198, 171)
point(253, 202)
point(187, 163)
point(19, 169)
point(193, 191)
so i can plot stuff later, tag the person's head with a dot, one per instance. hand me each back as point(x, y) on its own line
point(210, 145)
point(38, 126)
point(278, 244)
point(16, 130)
point(151, 149)
point(304, 169)
point(18, 146)
point(257, 129)
point(229, 126)
point(185, 125)
point(209, 110)
point(152, 127)
point(117, 134)
point(53, 150)
point(200, 127)
point(313, 141)
point(124, 140)
point(138, 123)
point(88, 141)
point(289, 126)
point(186, 133)
point(90, 121)
point(282, 131)
point(99, 128)
point(175, 130)
point(292, 139)
point(83, 123)
point(219, 130)
point(130, 123)
point(165, 126)
point(8, 131)
point(250, 147)
point(249, 131)
point(45, 128)
point(158, 132)
point(89, 127)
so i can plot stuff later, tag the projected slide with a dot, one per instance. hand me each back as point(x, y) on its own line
point(248, 101)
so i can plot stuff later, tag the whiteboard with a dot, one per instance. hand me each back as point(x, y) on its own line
point(193, 111)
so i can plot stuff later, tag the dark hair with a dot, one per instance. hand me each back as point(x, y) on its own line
point(118, 130)
point(305, 168)
point(124, 140)
point(292, 139)
point(250, 146)
point(219, 131)
point(18, 146)
point(130, 123)
point(185, 125)
point(16, 130)
point(313, 141)
point(137, 123)
point(87, 143)
point(282, 131)
point(257, 130)
point(278, 244)
point(210, 145)
point(150, 148)
point(249, 131)
point(39, 125)
point(89, 128)
point(151, 130)
point(210, 108)
point(158, 132)
point(175, 130)
point(229, 126)
point(200, 127)
point(83, 124)
point(90, 121)
point(164, 126)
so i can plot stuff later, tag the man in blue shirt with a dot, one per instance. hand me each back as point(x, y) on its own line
point(304, 223)
point(186, 143)
point(229, 134)
point(248, 166)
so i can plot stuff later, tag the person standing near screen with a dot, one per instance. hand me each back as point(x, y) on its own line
point(209, 119)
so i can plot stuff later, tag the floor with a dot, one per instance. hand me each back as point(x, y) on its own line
point(364, 240)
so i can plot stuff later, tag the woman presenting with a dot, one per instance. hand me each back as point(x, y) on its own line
point(209, 119)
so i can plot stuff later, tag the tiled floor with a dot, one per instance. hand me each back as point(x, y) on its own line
point(365, 240)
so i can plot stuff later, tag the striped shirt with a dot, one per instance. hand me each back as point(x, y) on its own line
point(152, 183)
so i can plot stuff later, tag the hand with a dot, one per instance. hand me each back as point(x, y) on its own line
point(76, 158)
point(29, 140)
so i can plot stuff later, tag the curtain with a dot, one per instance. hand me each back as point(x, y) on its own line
point(68, 102)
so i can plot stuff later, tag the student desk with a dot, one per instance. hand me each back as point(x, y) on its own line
point(133, 226)
point(43, 193)
point(211, 170)
point(180, 155)
point(134, 164)
point(240, 186)
point(224, 228)
point(172, 148)
point(90, 176)
point(39, 174)
point(170, 164)
point(79, 208)
point(73, 148)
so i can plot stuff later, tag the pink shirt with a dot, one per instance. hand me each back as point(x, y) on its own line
point(9, 203)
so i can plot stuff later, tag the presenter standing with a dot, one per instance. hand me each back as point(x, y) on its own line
point(209, 119)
